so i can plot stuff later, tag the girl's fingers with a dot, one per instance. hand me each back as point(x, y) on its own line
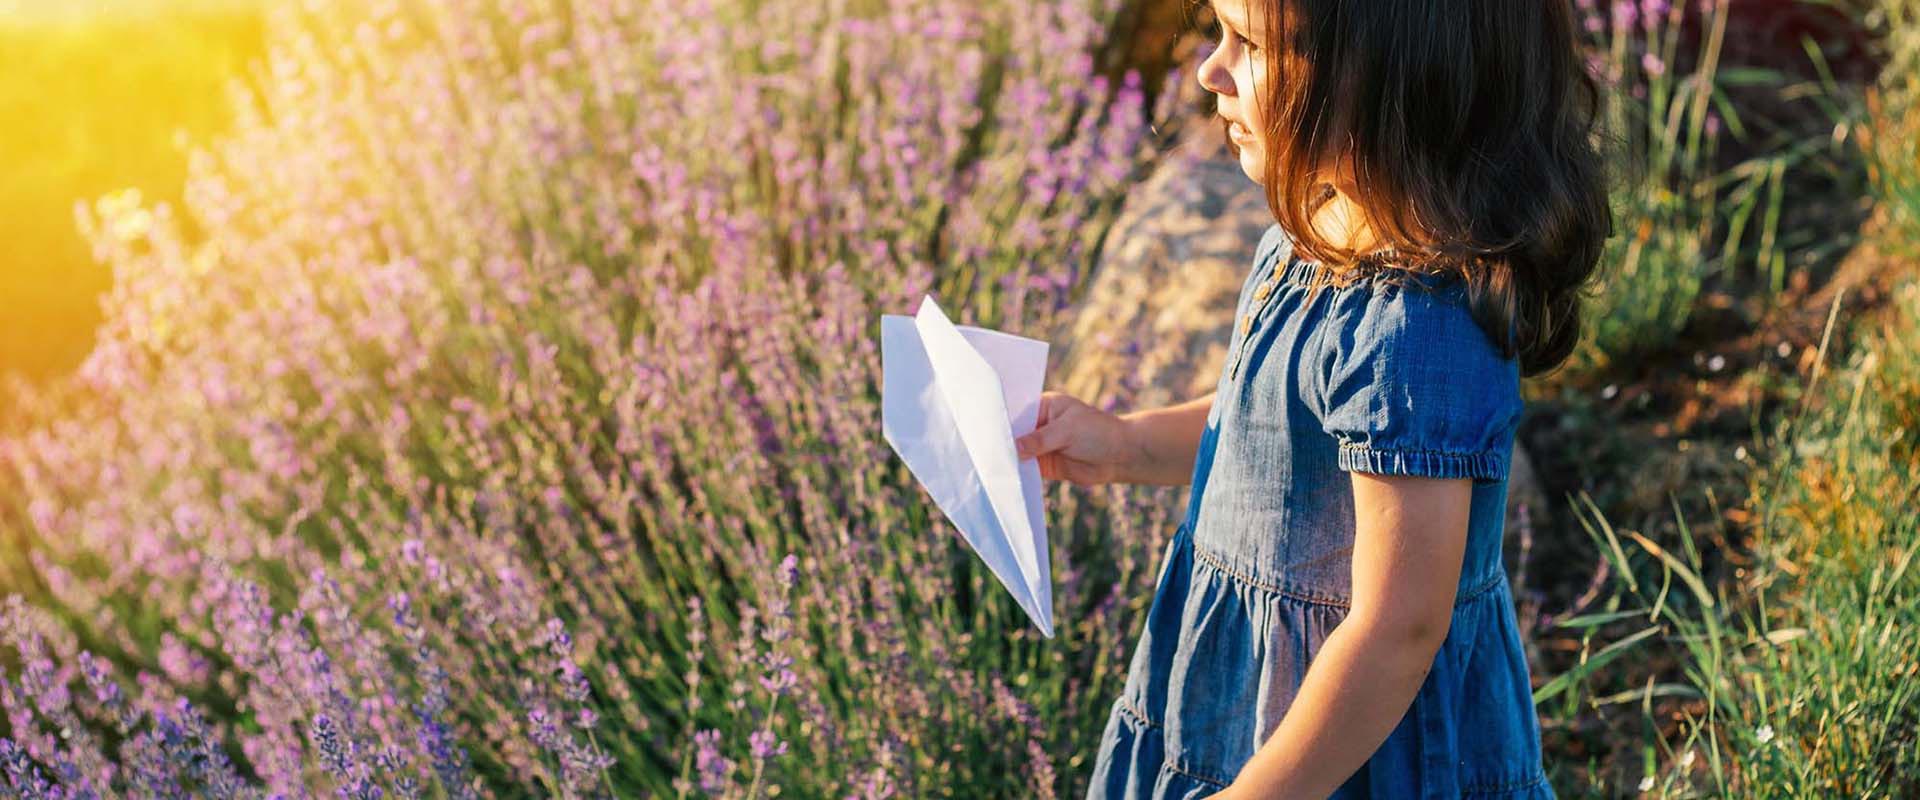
point(1052, 405)
point(1051, 432)
point(1044, 439)
point(1056, 467)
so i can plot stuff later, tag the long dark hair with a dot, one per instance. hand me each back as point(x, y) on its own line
point(1470, 127)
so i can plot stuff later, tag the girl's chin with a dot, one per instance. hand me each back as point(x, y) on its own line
point(1252, 162)
point(1255, 169)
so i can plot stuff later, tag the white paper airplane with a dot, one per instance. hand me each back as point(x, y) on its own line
point(952, 401)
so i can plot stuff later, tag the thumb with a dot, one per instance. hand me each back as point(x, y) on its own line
point(1042, 440)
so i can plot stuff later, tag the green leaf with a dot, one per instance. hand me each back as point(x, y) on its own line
point(1749, 76)
point(1579, 672)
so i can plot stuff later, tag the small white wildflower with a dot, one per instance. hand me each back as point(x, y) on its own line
point(1609, 391)
point(1646, 784)
point(1686, 759)
point(1785, 349)
point(1764, 734)
point(1716, 363)
point(1740, 453)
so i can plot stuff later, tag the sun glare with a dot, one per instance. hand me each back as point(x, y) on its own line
point(98, 95)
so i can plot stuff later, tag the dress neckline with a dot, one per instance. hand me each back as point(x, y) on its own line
point(1300, 272)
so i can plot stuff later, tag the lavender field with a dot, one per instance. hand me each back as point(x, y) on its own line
point(498, 416)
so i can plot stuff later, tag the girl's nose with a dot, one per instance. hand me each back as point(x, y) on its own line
point(1213, 74)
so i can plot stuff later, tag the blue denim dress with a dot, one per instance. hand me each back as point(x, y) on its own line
point(1376, 376)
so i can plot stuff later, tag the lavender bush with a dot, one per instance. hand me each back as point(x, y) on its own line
point(1680, 219)
point(498, 417)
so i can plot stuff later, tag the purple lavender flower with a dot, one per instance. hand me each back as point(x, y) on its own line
point(765, 745)
point(333, 747)
point(1624, 14)
point(1652, 64)
point(715, 770)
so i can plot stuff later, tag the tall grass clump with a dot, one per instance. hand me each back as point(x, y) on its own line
point(1679, 217)
point(498, 416)
point(1844, 696)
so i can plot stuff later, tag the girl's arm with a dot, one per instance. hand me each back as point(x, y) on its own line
point(1165, 442)
point(1409, 538)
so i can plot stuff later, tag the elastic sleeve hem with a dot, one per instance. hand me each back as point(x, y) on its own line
point(1483, 465)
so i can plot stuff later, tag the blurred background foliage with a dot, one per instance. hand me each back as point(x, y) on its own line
point(98, 96)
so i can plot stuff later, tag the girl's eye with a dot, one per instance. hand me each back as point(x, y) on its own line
point(1221, 31)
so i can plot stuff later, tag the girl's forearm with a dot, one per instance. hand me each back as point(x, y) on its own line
point(1357, 689)
point(1165, 442)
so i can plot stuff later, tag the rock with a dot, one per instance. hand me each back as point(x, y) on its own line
point(1167, 278)
point(1166, 282)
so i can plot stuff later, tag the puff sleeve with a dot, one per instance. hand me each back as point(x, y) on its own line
point(1410, 385)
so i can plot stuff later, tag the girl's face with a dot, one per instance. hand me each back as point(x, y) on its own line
point(1235, 72)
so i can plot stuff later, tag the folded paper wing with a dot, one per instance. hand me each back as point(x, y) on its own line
point(952, 401)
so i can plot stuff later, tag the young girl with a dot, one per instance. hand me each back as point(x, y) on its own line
point(1332, 616)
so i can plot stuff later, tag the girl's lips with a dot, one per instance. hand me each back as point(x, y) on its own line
point(1238, 131)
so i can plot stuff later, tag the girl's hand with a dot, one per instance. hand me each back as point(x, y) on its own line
point(1079, 443)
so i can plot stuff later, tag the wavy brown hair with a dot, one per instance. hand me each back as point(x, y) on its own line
point(1469, 127)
